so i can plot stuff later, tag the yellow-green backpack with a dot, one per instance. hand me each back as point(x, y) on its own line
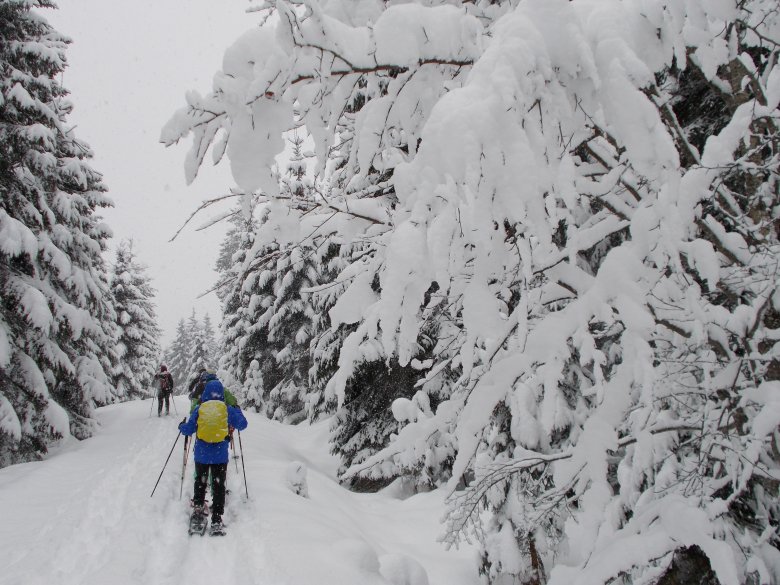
point(213, 421)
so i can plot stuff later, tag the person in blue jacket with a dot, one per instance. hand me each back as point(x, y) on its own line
point(211, 421)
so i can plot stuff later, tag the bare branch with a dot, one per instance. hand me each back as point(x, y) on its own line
point(201, 207)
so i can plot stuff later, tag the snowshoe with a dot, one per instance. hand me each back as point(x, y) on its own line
point(217, 528)
point(198, 522)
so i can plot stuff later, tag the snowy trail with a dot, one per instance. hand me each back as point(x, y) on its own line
point(84, 516)
point(99, 523)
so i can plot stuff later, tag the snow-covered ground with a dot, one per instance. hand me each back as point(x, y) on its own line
point(84, 516)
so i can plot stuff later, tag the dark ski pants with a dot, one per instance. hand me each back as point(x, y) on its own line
point(218, 472)
point(167, 398)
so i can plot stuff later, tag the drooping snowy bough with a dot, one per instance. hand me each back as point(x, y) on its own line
point(570, 212)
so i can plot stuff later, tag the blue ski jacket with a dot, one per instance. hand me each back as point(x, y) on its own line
point(213, 452)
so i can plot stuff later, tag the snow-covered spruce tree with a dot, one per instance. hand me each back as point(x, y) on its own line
point(289, 317)
point(597, 211)
point(296, 184)
point(277, 322)
point(55, 322)
point(253, 387)
point(237, 241)
point(198, 349)
point(138, 333)
point(289, 332)
point(326, 340)
point(266, 317)
point(211, 341)
point(230, 261)
point(177, 356)
point(104, 346)
point(364, 420)
point(248, 291)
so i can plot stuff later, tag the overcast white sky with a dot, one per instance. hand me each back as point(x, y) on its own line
point(130, 65)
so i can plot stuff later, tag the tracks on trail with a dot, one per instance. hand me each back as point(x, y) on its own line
point(106, 529)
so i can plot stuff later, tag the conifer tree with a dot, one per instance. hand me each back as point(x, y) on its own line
point(138, 333)
point(289, 333)
point(233, 248)
point(296, 184)
point(247, 287)
point(176, 356)
point(211, 341)
point(253, 387)
point(230, 266)
point(326, 341)
point(252, 319)
point(55, 319)
point(199, 350)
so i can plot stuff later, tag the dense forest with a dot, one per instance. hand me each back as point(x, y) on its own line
point(524, 251)
point(527, 251)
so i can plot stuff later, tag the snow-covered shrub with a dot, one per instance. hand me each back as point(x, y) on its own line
point(402, 570)
point(356, 553)
point(296, 479)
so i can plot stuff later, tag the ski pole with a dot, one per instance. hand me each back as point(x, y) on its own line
point(241, 447)
point(152, 406)
point(166, 463)
point(184, 464)
point(176, 410)
point(233, 447)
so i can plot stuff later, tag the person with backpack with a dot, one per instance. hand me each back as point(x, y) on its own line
point(210, 422)
point(196, 390)
point(195, 380)
point(196, 386)
point(164, 382)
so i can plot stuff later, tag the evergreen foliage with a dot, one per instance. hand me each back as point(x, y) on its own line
point(237, 244)
point(199, 350)
point(55, 322)
point(176, 355)
point(212, 347)
point(138, 333)
point(193, 348)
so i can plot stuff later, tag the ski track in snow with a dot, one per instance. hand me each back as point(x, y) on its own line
point(106, 526)
point(84, 516)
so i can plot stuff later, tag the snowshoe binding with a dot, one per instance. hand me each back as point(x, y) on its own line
point(198, 522)
point(217, 528)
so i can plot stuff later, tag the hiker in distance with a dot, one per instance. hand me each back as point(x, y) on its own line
point(210, 422)
point(164, 383)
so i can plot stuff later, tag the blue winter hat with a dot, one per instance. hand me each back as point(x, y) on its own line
point(213, 391)
point(206, 376)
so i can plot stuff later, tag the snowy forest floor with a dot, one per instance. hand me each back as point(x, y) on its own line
point(84, 516)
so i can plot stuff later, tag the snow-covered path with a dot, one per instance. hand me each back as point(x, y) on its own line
point(84, 516)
